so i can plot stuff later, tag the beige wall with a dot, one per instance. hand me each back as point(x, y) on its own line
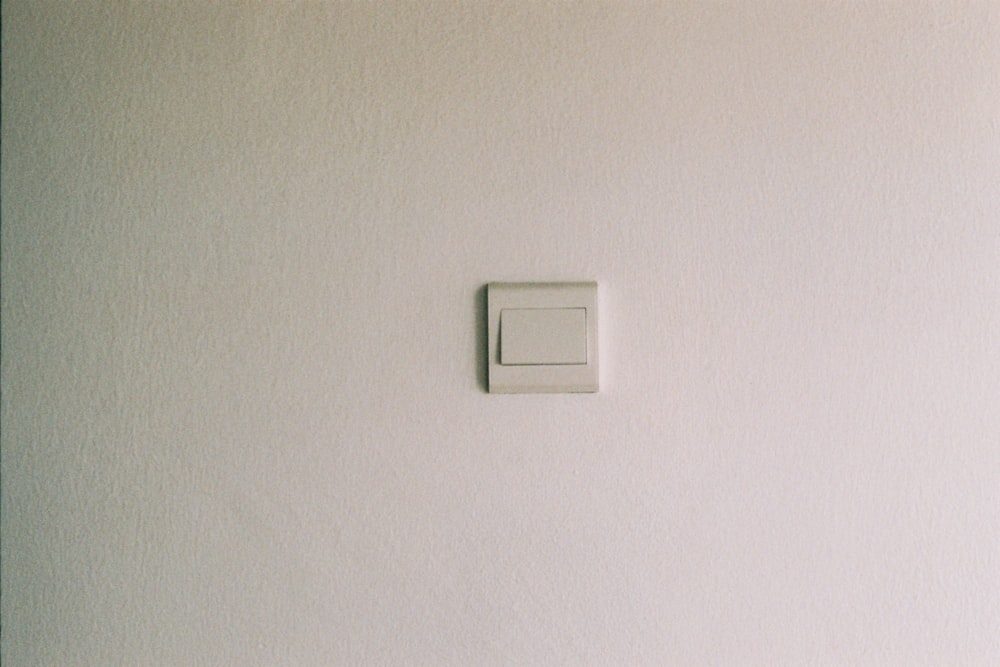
point(243, 420)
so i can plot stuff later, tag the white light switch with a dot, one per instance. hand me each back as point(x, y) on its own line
point(539, 336)
point(542, 337)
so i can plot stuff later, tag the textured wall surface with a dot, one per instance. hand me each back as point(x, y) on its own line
point(242, 404)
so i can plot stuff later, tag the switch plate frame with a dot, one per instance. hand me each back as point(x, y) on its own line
point(541, 378)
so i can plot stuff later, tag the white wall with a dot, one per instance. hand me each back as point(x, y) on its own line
point(243, 415)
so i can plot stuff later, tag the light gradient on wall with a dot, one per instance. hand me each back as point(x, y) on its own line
point(243, 416)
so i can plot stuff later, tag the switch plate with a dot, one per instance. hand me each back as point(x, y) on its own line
point(542, 337)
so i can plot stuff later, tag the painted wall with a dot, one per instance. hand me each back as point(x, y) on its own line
point(243, 247)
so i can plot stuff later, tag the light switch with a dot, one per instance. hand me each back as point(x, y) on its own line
point(542, 337)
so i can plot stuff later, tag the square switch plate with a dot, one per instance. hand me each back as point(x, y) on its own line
point(542, 337)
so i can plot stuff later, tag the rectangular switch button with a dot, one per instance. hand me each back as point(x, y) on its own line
point(543, 336)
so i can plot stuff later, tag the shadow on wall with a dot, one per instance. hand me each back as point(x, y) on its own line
point(482, 337)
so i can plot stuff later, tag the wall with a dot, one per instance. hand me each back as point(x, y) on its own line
point(243, 413)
